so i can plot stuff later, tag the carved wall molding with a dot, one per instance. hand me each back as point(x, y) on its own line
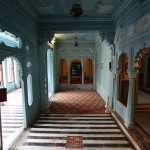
point(143, 23)
point(131, 30)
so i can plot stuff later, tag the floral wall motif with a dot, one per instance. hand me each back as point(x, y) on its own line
point(140, 26)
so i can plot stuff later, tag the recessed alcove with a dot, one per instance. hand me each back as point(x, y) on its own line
point(88, 71)
point(63, 71)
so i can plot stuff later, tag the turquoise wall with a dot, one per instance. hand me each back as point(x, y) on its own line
point(103, 74)
point(22, 22)
point(132, 35)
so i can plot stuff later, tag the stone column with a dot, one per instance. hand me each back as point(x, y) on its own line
point(130, 103)
point(116, 89)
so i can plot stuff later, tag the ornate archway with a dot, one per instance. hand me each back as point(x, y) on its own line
point(123, 79)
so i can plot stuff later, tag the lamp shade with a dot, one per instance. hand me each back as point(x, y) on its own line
point(76, 11)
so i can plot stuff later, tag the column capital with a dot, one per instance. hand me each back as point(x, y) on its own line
point(132, 74)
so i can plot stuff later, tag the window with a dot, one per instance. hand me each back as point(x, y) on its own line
point(76, 69)
point(30, 90)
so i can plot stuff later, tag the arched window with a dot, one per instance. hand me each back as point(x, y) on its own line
point(10, 68)
point(63, 71)
point(30, 90)
point(88, 71)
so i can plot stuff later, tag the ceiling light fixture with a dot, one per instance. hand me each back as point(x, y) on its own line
point(76, 10)
point(76, 42)
point(52, 42)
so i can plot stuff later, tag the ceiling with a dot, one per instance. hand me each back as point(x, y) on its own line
point(60, 9)
point(82, 36)
point(63, 7)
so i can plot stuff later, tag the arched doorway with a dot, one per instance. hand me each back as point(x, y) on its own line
point(50, 73)
point(123, 79)
point(142, 89)
point(75, 71)
point(12, 116)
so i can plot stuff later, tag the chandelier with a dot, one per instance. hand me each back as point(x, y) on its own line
point(76, 10)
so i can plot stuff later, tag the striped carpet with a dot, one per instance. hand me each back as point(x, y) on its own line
point(99, 132)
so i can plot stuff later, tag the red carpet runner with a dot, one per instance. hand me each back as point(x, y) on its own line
point(77, 102)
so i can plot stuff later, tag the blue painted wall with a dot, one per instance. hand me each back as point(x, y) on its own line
point(132, 35)
point(103, 74)
point(22, 22)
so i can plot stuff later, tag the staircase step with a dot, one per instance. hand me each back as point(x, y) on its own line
point(96, 131)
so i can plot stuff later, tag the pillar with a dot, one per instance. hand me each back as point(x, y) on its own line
point(5, 75)
point(130, 103)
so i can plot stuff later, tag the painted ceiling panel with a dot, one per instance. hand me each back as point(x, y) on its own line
point(63, 7)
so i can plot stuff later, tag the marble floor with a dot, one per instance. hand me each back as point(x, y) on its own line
point(143, 120)
point(143, 97)
point(11, 117)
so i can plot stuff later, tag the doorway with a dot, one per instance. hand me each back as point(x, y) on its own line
point(50, 75)
point(12, 120)
point(142, 92)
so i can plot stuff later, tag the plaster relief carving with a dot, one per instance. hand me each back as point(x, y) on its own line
point(117, 35)
point(143, 23)
point(27, 48)
point(122, 35)
point(104, 9)
point(130, 31)
point(29, 64)
point(46, 10)
point(91, 50)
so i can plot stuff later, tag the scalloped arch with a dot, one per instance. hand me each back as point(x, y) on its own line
point(139, 56)
point(120, 57)
point(19, 65)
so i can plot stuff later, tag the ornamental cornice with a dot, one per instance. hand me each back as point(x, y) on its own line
point(141, 25)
